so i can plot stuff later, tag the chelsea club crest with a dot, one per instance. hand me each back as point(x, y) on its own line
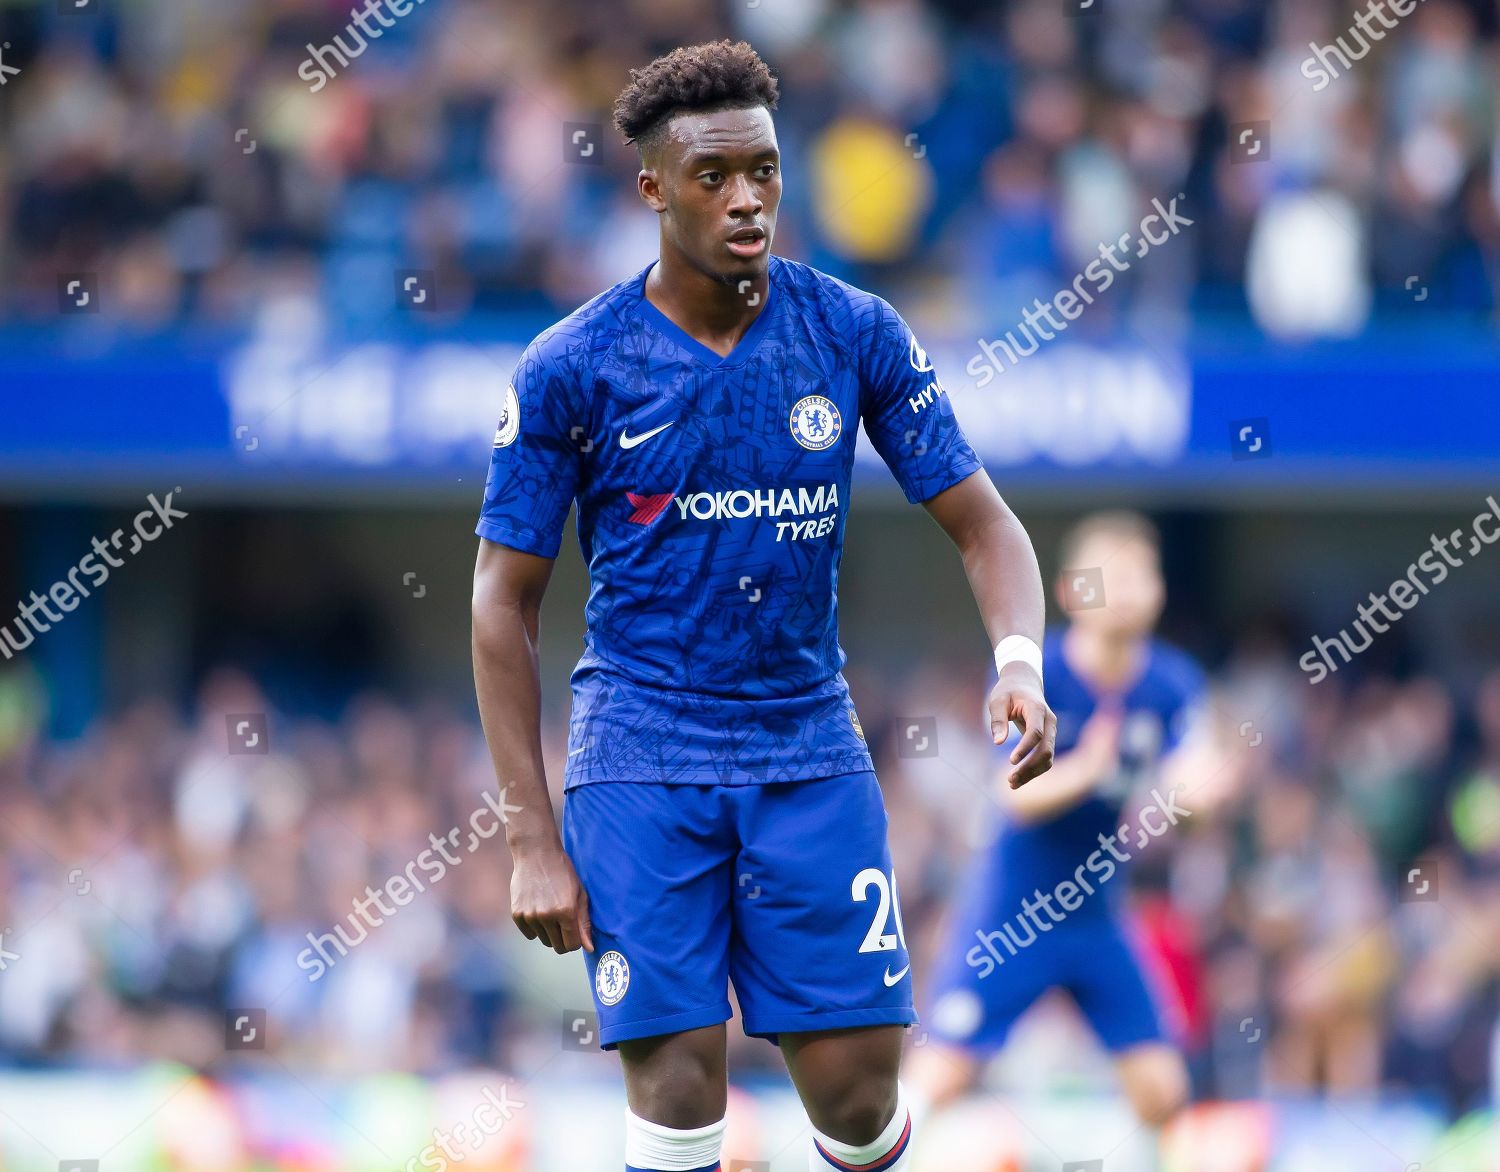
point(611, 978)
point(815, 423)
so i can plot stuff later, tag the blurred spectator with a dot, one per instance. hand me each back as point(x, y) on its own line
point(167, 880)
point(979, 153)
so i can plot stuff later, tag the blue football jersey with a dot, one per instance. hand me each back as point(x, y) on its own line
point(712, 493)
point(1157, 710)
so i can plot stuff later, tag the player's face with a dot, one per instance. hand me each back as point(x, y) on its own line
point(717, 184)
point(1134, 592)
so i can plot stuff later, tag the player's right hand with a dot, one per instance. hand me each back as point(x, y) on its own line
point(548, 903)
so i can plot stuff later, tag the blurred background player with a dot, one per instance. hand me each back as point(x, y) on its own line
point(1043, 906)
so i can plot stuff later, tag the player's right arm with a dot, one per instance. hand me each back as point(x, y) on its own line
point(535, 473)
point(546, 900)
point(1074, 775)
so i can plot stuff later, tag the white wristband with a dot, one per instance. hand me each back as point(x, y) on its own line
point(1018, 647)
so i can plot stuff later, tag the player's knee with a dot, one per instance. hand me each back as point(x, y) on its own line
point(937, 1075)
point(1158, 1106)
point(679, 1084)
point(678, 1104)
point(1159, 1093)
point(860, 1113)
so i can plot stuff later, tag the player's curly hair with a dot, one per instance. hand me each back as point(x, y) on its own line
point(719, 75)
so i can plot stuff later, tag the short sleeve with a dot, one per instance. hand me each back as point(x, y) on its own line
point(906, 411)
point(1190, 711)
point(536, 465)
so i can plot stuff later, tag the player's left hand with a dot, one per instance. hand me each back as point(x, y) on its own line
point(1018, 698)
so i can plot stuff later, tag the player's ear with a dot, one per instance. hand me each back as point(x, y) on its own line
point(650, 189)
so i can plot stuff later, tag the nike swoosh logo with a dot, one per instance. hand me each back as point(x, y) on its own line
point(628, 441)
point(890, 980)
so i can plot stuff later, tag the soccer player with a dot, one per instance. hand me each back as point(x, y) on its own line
point(721, 820)
point(1125, 704)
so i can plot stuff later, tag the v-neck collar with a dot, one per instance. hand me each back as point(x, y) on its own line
point(742, 349)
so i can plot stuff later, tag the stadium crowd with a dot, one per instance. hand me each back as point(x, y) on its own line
point(1327, 912)
point(213, 164)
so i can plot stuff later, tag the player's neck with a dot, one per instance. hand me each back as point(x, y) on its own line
point(1106, 659)
point(706, 309)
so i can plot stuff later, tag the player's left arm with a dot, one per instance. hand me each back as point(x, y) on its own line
point(910, 422)
point(1007, 583)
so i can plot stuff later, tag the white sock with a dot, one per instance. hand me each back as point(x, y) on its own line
point(650, 1147)
point(891, 1151)
point(919, 1104)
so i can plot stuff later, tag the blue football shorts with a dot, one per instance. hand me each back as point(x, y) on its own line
point(786, 889)
point(979, 993)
